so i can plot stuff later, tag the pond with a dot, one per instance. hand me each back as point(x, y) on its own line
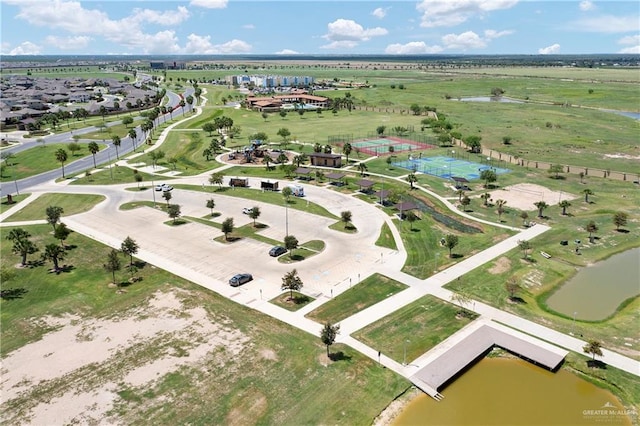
point(630, 114)
point(499, 391)
point(596, 291)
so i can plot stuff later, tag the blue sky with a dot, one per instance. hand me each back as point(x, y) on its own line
point(136, 27)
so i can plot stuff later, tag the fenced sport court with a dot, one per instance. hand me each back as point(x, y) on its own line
point(447, 167)
point(380, 146)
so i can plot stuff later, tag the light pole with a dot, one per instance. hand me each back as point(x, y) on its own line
point(404, 358)
point(286, 218)
point(153, 187)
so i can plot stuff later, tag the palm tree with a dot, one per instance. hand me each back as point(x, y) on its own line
point(346, 150)
point(411, 178)
point(586, 193)
point(540, 205)
point(564, 204)
point(93, 149)
point(134, 136)
point(116, 142)
point(485, 198)
point(500, 205)
point(61, 156)
point(594, 348)
point(362, 168)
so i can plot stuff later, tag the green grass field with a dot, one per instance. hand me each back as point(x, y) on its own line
point(417, 327)
point(372, 290)
point(71, 204)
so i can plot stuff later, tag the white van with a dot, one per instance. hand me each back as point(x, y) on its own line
point(297, 190)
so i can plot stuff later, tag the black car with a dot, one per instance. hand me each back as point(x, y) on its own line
point(277, 251)
point(240, 279)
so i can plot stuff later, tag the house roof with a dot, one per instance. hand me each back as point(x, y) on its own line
point(459, 179)
point(302, 171)
point(335, 176)
point(324, 155)
point(383, 193)
point(365, 183)
point(406, 205)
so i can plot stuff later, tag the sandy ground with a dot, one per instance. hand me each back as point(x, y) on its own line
point(523, 196)
point(73, 373)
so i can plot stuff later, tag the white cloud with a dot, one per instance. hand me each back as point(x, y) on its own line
point(68, 43)
point(448, 13)
point(380, 12)
point(631, 50)
point(167, 17)
point(287, 52)
point(201, 45)
point(633, 41)
point(549, 50)
point(606, 24)
point(210, 4)
point(491, 34)
point(249, 27)
point(412, 48)
point(586, 5)
point(463, 41)
point(26, 48)
point(345, 33)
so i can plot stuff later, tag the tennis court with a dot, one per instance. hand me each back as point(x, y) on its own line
point(447, 167)
point(381, 146)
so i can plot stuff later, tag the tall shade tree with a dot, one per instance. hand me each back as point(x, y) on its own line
point(292, 282)
point(22, 245)
point(287, 193)
point(54, 253)
point(174, 211)
point(61, 233)
point(290, 243)
point(128, 120)
point(211, 204)
point(328, 334)
point(129, 247)
point(138, 178)
point(116, 142)
point(167, 197)
point(53, 213)
point(540, 205)
point(620, 219)
point(254, 214)
point(488, 176)
point(593, 348)
point(227, 227)
point(524, 216)
point(61, 157)
point(113, 264)
point(411, 217)
point(74, 147)
point(591, 227)
point(525, 246)
point(94, 148)
point(216, 179)
point(346, 217)
point(450, 241)
point(565, 204)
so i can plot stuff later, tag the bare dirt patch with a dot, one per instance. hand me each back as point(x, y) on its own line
point(73, 374)
point(501, 265)
point(523, 196)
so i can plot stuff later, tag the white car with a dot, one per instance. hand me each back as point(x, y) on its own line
point(247, 210)
point(163, 187)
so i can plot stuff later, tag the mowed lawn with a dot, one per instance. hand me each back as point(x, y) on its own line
point(38, 160)
point(359, 297)
point(415, 328)
point(70, 203)
point(281, 376)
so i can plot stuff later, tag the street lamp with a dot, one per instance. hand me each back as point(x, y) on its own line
point(404, 358)
point(286, 218)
